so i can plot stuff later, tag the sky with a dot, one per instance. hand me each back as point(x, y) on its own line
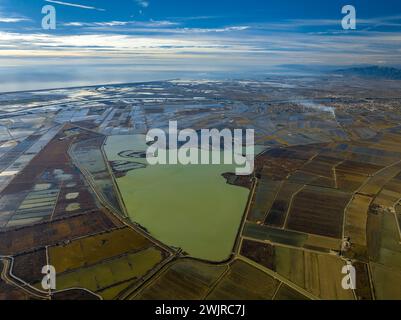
point(104, 41)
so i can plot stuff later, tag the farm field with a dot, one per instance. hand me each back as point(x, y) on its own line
point(77, 193)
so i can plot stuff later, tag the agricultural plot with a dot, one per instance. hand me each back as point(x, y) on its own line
point(263, 200)
point(91, 250)
point(49, 233)
point(107, 263)
point(184, 280)
point(304, 178)
point(265, 233)
point(387, 282)
point(290, 238)
point(88, 155)
point(322, 166)
point(378, 150)
point(390, 194)
point(28, 266)
point(287, 293)
point(37, 206)
point(54, 156)
point(115, 271)
point(355, 225)
point(74, 295)
point(377, 182)
point(326, 186)
point(119, 120)
point(364, 289)
point(349, 182)
point(194, 280)
point(49, 187)
point(74, 198)
point(259, 252)
point(277, 214)
point(318, 211)
point(385, 257)
point(358, 168)
point(319, 274)
point(9, 292)
point(278, 163)
point(244, 282)
point(7, 159)
point(8, 206)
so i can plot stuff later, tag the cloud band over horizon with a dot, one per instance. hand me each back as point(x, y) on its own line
point(210, 42)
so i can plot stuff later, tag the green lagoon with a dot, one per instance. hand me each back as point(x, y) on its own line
point(189, 207)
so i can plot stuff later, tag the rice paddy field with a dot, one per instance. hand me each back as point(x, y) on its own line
point(385, 257)
point(264, 198)
point(91, 250)
point(49, 233)
point(76, 192)
point(102, 276)
point(304, 268)
point(277, 215)
point(356, 218)
point(339, 204)
point(318, 210)
point(244, 282)
point(107, 263)
point(183, 280)
point(192, 280)
point(89, 157)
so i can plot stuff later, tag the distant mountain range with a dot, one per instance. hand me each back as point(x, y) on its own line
point(372, 72)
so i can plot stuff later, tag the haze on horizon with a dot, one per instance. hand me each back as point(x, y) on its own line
point(98, 41)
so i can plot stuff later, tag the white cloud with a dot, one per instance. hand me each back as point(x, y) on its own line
point(142, 3)
point(216, 30)
point(12, 20)
point(362, 23)
point(146, 24)
point(245, 45)
point(107, 45)
point(250, 49)
point(151, 27)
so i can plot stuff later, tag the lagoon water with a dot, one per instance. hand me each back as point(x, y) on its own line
point(189, 207)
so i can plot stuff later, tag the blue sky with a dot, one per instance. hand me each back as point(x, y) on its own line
point(99, 41)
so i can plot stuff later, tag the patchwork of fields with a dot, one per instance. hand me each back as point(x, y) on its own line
point(77, 193)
